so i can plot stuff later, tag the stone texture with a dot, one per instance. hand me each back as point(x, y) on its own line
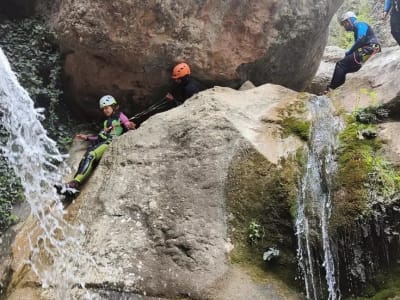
point(128, 47)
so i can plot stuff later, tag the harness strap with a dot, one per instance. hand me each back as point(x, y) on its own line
point(362, 54)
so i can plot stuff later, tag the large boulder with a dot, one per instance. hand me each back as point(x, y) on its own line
point(157, 211)
point(127, 47)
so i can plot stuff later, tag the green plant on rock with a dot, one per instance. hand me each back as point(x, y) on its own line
point(362, 168)
point(256, 232)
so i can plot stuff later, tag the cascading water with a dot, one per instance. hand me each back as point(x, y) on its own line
point(37, 162)
point(314, 205)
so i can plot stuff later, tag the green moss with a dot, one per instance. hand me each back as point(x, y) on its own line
point(297, 127)
point(362, 167)
point(385, 285)
point(263, 194)
point(291, 122)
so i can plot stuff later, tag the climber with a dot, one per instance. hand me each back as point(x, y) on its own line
point(115, 125)
point(365, 45)
point(394, 7)
point(184, 88)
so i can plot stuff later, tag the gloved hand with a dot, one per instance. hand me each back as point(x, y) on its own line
point(169, 97)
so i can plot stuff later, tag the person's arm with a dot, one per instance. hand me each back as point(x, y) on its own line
point(388, 5)
point(386, 8)
point(86, 137)
point(125, 122)
point(361, 38)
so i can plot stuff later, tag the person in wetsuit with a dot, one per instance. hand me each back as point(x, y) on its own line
point(365, 45)
point(393, 6)
point(116, 124)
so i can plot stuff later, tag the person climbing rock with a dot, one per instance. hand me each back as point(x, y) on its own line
point(393, 6)
point(366, 44)
point(116, 124)
point(184, 87)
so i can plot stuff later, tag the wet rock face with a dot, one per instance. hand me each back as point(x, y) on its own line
point(128, 47)
point(370, 250)
point(17, 8)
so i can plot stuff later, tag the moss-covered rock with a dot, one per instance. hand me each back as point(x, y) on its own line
point(260, 197)
point(364, 221)
point(363, 170)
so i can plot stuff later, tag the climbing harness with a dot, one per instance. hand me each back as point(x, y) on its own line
point(361, 55)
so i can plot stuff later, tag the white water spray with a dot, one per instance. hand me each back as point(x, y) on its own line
point(314, 204)
point(36, 160)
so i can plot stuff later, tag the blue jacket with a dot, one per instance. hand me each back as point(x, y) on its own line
point(388, 5)
point(363, 35)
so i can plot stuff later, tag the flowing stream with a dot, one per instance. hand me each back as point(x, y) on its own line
point(314, 205)
point(37, 162)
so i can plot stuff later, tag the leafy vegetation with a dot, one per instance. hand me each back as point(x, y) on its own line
point(256, 232)
point(10, 191)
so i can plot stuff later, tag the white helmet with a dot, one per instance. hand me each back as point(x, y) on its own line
point(106, 101)
point(347, 15)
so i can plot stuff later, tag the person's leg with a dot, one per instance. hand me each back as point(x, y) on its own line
point(395, 26)
point(344, 66)
point(86, 165)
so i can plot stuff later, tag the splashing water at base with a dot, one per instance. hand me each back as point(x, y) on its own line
point(37, 162)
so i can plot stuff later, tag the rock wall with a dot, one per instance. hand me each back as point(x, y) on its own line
point(128, 47)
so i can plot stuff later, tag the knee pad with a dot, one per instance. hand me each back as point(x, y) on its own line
point(85, 163)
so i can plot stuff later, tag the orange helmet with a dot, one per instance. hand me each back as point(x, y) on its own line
point(180, 70)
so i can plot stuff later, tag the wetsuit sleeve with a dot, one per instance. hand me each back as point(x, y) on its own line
point(361, 38)
point(92, 138)
point(388, 4)
point(124, 120)
point(190, 90)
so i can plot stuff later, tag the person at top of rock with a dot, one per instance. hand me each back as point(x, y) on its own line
point(394, 7)
point(116, 124)
point(365, 45)
point(184, 87)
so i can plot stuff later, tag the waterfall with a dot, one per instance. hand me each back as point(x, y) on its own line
point(37, 162)
point(314, 205)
